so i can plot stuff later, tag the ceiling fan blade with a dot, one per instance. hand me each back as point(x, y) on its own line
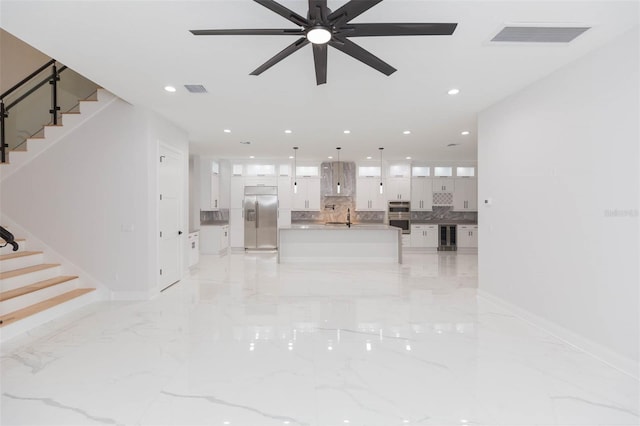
point(268, 31)
point(357, 52)
point(318, 11)
point(320, 60)
point(284, 12)
point(293, 47)
point(350, 10)
point(399, 29)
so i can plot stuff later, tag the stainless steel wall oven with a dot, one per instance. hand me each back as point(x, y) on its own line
point(400, 215)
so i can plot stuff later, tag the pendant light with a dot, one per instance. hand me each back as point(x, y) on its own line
point(338, 186)
point(381, 190)
point(295, 169)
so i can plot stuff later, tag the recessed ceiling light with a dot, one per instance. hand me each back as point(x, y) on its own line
point(408, 158)
point(453, 91)
point(227, 130)
point(407, 132)
point(369, 158)
point(287, 131)
point(291, 157)
point(252, 156)
point(346, 132)
point(330, 157)
point(170, 89)
point(464, 133)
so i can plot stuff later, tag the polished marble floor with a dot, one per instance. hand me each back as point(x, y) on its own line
point(245, 341)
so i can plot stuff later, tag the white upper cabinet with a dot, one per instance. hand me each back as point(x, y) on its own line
point(260, 170)
point(236, 194)
point(307, 195)
point(443, 184)
point(368, 197)
point(284, 192)
point(421, 194)
point(284, 170)
point(465, 196)
point(398, 189)
point(215, 192)
point(421, 171)
point(441, 171)
point(369, 171)
point(307, 171)
point(465, 171)
point(209, 185)
point(399, 170)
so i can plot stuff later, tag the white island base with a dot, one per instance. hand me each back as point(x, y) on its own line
point(360, 243)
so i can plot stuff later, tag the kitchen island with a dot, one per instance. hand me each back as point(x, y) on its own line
point(339, 243)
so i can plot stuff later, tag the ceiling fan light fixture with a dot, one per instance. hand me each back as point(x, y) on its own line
point(319, 35)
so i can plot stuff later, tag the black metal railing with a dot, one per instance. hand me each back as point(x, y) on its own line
point(8, 239)
point(28, 88)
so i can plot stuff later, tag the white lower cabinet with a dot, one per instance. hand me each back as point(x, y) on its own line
point(214, 239)
point(424, 236)
point(467, 236)
point(193, 248)
point(236, 227)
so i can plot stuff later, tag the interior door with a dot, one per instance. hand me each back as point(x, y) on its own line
point(170, 186)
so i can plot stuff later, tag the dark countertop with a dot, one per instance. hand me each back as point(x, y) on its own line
point(443, 222)
point(214, 223)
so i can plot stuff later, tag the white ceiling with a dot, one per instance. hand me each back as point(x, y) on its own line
point(135, 48)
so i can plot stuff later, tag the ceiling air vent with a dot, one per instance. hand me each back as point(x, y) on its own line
point(539, 34)
point(195, 88)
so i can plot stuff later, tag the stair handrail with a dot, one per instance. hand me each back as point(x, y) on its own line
point(8, 238)
point(27, 78)
point(52, 78)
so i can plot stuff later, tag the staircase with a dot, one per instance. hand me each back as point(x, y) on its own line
point(33, 292)
point(50, 134)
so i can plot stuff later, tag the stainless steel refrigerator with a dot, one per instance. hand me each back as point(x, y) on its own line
point(260, 217)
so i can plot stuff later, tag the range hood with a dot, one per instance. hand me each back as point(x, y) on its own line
point(333, 172)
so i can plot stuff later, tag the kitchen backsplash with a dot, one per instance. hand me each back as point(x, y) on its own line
point(444, 214)
point(214, 217)
point(334, 172)
point(334, 209)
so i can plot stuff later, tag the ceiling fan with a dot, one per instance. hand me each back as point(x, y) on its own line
point(323, 27)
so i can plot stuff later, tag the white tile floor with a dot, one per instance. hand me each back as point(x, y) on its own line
point(244, 341)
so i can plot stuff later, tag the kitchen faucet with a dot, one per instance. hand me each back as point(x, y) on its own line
point(349, 218)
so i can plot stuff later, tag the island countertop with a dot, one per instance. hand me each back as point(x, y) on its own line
point(338, 243)
point(341, 227)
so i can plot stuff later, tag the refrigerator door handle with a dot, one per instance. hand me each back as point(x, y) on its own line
point(257, 216)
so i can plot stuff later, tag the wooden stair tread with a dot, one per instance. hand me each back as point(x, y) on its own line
point(17, 240)
point(28, 269)
point(10, 294)
point(18, 254)
point(41, 306)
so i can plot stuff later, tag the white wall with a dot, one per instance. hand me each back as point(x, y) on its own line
point(12, 71)
point(81, 196)
point(557, 158)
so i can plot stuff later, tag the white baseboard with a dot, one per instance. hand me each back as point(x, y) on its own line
point(130, 296)
point(596, 350)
